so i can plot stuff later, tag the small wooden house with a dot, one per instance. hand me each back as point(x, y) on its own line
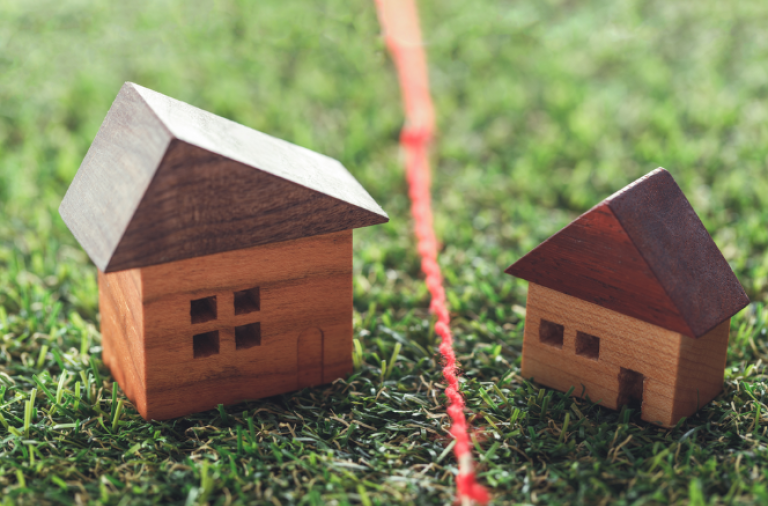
point(631, 304)
point(224, 256)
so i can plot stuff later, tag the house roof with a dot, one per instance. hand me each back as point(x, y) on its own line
point(163, 181)
point(644, 253)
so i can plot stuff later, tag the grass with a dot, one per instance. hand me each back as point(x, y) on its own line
point(544, 109)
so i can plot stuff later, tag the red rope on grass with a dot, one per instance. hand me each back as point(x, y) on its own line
point(399, 19)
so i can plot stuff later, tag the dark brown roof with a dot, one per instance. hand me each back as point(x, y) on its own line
point(642, 252)
point(164, 181)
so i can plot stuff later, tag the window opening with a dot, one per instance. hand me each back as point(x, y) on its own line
point(203, 310)
point(551, 333)
point(587, 345)
point(205, 345)
point(247, 301)
point(247, 336)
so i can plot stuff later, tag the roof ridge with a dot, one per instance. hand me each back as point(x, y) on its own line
point(278, 157)
point(656, 219)
point(306, 193)
point(659, 218)
point(593, 259)
point(126, 141)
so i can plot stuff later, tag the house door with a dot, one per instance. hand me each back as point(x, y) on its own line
point(631, 389)
point(309, 369)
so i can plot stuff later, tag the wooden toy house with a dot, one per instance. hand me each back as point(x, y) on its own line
point(631, 304)
point(224, 256)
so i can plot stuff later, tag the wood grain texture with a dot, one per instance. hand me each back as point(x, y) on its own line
point(201, 203)
point(644, 253)
point(676, 367)
point(594, 259)
point(122, 324)
point(310, 358)
point(258, 150)
point(701, 367)
point(114, 175)
point(165, 181)
point(679, 250)
point(305, 292)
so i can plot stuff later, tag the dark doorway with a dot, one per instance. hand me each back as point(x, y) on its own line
point(631, 389)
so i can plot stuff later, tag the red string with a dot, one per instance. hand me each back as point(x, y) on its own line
point(399, 19)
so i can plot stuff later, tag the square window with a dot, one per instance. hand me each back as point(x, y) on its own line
point(203, 310)
point(587, 345)
point(551, 333)
point(247, 301)
point(247, 336)
point(206, 344)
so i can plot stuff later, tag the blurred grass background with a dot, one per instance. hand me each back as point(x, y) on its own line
point(544, 108)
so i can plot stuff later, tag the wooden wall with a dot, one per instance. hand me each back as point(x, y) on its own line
point(673, 365)
point(305, 289)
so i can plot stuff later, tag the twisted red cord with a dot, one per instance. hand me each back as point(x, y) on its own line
point(399, 19)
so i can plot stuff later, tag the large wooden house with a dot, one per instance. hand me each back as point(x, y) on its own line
point(224, 256)
point(631, 304)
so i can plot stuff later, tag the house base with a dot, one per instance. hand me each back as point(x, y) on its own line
point(617, 360)
point(186, 336)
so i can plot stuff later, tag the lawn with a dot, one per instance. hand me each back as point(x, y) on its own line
point(544, 108)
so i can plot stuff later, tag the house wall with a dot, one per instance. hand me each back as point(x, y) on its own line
point(122, 341)
point(702, 369)
point(305, 291)
point(669, 361)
